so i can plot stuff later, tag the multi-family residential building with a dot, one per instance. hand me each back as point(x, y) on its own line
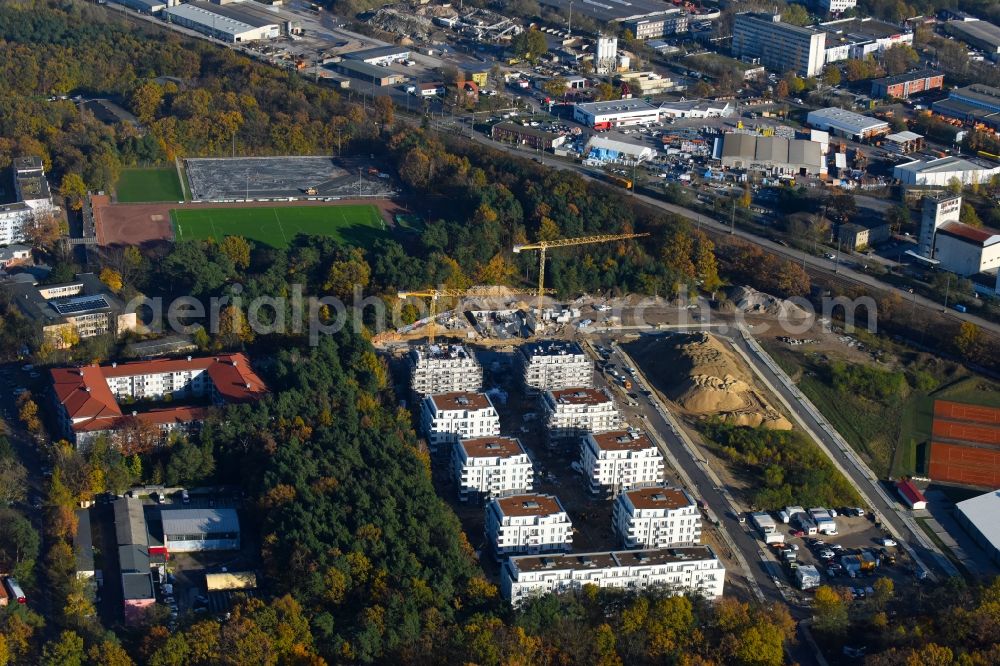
point(528, 524)
point(554, 364)
point(491, 467)
point(444, 369)
point(32, 196)
point(448, 417)
point(88, 399)
point(656, 517)
point(68, 311)
point(573, 412)
point(620, 460)
point(694, 570)
point(779, 46)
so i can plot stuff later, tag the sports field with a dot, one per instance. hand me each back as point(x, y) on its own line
point(148, 186)
point(274, 226)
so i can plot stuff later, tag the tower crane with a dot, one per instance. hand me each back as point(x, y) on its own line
point(482, 292)
point(542, 246)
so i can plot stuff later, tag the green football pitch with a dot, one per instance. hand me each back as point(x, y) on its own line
point(277, 226)
point(149, 186)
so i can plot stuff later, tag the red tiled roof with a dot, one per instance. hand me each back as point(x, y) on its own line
point(965, 232)
point(158, 417)
point(85, 395)
point(910, 492)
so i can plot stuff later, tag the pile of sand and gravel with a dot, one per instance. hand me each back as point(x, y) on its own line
point(750, 301)
point(705, 378)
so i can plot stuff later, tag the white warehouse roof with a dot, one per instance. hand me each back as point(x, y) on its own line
point(982, 512)
point(634, 150)
point(845, 121)
point(199, 521)
point(210, 19)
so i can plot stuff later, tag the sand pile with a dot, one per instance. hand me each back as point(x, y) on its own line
point(751, 301)
point(705, 378)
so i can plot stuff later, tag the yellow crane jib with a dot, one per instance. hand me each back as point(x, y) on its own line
point(473, 292)
point(542, 246)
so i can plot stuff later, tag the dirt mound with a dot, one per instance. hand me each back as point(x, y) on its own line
point(751, 301)
point(705, 378)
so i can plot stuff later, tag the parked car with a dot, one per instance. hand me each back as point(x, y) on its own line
point(888, 542)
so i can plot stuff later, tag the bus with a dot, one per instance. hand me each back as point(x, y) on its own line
point(15, 590)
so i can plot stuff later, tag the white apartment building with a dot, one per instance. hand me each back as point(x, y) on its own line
point(779, 46)
point(491, 467)
point(694, 570)
point(656, 517)
point(573, 412)
point(444, 369)
point(554, 364)
point(835, 6)
point(32, 194)
point(528, 524)
point(448, 417)
point(620, 460)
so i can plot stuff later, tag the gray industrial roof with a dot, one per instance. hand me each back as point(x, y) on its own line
point(251, 13)
point(845, 120)
point(616, 105)
point(133, 558)
point(982, 511)
point(130, 522)
point(364, 68)
point(739, 145)
point(83, 541)
point(981, 30)
point(801, 151)
point(137, 586)
point(772, 149)
point(210, 18)
point(199, 521)
point(379, 52)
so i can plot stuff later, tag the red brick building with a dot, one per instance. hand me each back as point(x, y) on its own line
point(904, 85)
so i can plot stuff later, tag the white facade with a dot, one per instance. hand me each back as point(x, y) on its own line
point(680, 570)
point(620, 460)
point(217, 26)
point(552, 365)
point(491, 467)
point(14, 217)
point(937, 211)
point(606, 55)
point(448, 417)
point(197, 530)
point(857, 38)
point(444, 369)
point(656, 517)
point(836, 6)
point(940, 172)
point(178, 383)
point(528, 524)
point(603, 149)
point(779, 46)
point(841, 122)
point(696, 109)
point(33, 197)
point(966, 250)
point(616, 113)
point(574, 412)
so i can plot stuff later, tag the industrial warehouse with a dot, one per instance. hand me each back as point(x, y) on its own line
point(773, 155)
point(234, 23)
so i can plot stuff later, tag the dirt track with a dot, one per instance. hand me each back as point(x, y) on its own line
point(147, 225)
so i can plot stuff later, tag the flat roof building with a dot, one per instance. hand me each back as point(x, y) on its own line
point(696, 108)
point(656, 517)
point(694, 570)
point(573, 412)
point(941, 171)
point(528, 524)
point(616, 113)
point(198, 530)
point(671, 21)
point(381, 55)
point(841, 122)
point(902, 86)
point(83, 545)
point(31, 197)
point(554, 364)
point(356, 69)
point(491, 467)
point(606, 150)
point(444, 369)
point(978, 516)
point(209, 19)
point(859, 37)
point(447, 418)
point(772, 155)
point(779, 46)
point(981, 35)
point(532, 137)
point(620, 460)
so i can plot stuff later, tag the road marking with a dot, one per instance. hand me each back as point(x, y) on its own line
point(280, 227)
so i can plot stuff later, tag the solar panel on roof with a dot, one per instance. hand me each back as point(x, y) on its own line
point(75, 304)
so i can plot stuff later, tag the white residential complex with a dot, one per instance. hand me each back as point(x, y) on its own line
point(693, 570)
point(32, 197)
point(779, 46)
point(448, 417)
point(620, 460)
point(528, 524)
point(835, 6)
point(656, 518)
point(444, 369)
point(554, 364)
point(573, 412)
point(491, 467)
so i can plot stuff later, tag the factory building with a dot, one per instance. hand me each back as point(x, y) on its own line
point(694, 570)
point(199, 530)
point(981, 35)
point(976, 103)
point(847, 124)
point(444, 369)
point(604, 150)
point(523, 135)
point(656, 517)
point(779, 46)
point(772, 155)
point(616, 113)
point(942, 171)
point(357, 69)
point(222, 22)
point(382, 56)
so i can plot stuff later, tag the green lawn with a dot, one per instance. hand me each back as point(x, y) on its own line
point(277, 226)
point(149, 186)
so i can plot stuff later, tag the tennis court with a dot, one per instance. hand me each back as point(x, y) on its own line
point(277, 226)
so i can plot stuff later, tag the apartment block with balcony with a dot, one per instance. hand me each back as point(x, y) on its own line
point(444, 369)
point(620, 460)
point(574, 412)
point(447, 418)
point(488, 467)
point(528, 524)
point(656, 517)
point(779, 46)
point(694, 570)
point(554, 364)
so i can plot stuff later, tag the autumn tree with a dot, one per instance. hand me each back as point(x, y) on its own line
point(347, 274)
point(236, 248)
point(831, 75)
point(44, 229)
point(27, 411)
point(112, 279)
point(73, 190)
point(969, 341)
point(781, 91)
point(385, 111)
point(830, 614)
point(135, 435)
point(530, 45)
